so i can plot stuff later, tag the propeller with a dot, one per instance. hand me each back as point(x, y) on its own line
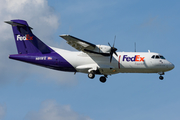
point(113, 50)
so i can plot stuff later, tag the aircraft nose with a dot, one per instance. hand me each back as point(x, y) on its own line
point(171, 66)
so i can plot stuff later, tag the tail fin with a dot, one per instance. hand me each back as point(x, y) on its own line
point(26, 41)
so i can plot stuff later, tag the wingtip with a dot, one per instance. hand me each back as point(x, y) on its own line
point(64, 35)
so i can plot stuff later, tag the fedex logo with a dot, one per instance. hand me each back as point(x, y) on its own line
point(136, 58)
point(27, 37)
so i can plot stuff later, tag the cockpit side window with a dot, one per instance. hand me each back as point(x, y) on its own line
point(162, 57)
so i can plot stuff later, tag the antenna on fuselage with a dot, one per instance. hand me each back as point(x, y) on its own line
point(135, 47)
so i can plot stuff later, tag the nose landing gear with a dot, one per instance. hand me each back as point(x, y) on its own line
point(161, 77)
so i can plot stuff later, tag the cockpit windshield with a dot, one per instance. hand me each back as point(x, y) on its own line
point(157, 57)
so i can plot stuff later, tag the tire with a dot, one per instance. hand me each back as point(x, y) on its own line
point(161, 77)
point(102, 79)
point(91, 75)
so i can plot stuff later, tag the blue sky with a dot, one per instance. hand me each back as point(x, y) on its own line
point(29, 92)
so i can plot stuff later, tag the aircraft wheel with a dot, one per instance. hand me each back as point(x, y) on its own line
point(161, 77)
point(91, 75)
point(102, 79)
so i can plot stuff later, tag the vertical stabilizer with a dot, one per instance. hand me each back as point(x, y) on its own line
point(26, 41)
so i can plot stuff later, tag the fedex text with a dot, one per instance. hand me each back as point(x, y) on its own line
point(26, 37)
point(136, 58)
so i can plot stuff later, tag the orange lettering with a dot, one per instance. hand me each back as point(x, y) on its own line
point(142, 58)
point(137, 57)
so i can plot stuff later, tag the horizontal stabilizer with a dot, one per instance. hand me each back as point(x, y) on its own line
point(16, 24)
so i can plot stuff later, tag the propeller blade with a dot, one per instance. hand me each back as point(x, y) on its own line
point(110, 58)
point(113, 49)
point(114, 40)
point(109, 44)
point(115, 53)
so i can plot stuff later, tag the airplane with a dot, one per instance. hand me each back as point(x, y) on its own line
point(90, 58)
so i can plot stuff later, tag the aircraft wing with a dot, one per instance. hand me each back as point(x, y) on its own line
point(78, 44)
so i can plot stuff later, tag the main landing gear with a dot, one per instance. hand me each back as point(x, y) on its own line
point(91, 75)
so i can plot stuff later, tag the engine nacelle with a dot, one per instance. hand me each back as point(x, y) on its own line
point(102, 49)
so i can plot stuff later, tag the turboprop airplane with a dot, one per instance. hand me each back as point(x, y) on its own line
point(92, 59)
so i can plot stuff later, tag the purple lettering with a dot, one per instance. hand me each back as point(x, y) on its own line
point(128, 59)
point(124, 57)
point(136, 58)
point(133, 58)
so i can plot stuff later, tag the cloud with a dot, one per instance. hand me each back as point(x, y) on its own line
point(50, 110)
point(44, 21)
point(36, 12)
point(2, 111)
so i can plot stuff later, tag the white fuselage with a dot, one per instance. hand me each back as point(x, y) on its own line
point(125, 62)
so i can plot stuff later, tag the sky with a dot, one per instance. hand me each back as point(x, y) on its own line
point(29, 92)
